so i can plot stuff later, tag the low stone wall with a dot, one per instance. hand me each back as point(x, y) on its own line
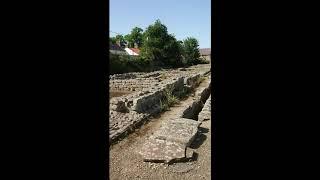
point(125, 76)
point(134, 75)
point(205, 114)
point(201, 96)
point(131, 84)
point(149, 97)
point(151, 101)
point(123, 123)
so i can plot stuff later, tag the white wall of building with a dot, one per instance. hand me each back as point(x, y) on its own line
point(130, 52)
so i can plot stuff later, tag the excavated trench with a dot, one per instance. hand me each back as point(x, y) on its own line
point(169, 143)
point(195, 108)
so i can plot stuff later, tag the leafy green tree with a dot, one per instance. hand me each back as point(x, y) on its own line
point(173, 50)
point(191, 52)
point(135, 36)
point(121, 39)
point(129, 40)
point(113, 40)
point(160, 47)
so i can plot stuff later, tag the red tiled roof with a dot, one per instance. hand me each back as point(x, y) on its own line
point(136, 50)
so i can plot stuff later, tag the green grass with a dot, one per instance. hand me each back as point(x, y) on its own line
point(168, 99)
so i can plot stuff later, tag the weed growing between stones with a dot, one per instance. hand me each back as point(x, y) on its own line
point(202, 78)
point(168, 99)
point(182, 93)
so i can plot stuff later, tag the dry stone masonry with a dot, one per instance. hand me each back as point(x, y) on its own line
point(171, 141)
point(205, 114)
point(200, 97)
point(146, 91)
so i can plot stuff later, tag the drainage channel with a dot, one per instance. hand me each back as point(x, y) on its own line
point(196, 107)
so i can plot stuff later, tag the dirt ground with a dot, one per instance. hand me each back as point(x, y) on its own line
point(126, 163)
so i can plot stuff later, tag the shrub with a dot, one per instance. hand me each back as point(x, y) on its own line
point(125, 63)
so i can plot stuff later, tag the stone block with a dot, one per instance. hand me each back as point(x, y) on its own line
point(178, 130)
point(157, 150)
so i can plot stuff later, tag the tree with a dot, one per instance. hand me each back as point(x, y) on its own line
point(173, 51)
point(121, 39)
point(134, 37)
point(113, 40)
point(129, 40)
point(160, 47)
point(191, 52)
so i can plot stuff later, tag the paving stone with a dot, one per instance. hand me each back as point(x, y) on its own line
point(157, 150)
point(178, 130)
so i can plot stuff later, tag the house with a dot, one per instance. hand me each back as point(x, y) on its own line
point(205, 53)
point(116, 49)
point(133, 51)
point(122, 49)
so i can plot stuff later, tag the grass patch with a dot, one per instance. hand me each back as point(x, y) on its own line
point(168, 99)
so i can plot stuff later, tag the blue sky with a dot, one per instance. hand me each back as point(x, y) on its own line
point(183, 18)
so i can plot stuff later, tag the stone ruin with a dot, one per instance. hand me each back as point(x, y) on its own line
point(170, 142)
point(146, 90)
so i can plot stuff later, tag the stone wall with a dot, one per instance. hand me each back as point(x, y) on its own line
point(200, 98)
point(131, 84)
point(205, 114)
point(127, 111)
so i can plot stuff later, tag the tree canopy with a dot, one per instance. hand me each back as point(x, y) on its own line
point(191, 52)
point(159, 46)
point(135, 37)
point(121, 39)
point(113, 40)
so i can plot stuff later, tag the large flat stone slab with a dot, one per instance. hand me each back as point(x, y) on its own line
point(157, 150)
point(178, 130)
point(170, 141)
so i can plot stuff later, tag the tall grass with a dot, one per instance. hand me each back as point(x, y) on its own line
point(168, 99)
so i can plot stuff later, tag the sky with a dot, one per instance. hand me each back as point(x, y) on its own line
point(183, 18)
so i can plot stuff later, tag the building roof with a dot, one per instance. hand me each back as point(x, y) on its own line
point(136, 50)
point(115, 47)
point(205, 51)
point(118, 52)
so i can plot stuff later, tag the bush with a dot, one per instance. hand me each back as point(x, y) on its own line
point(116, 65)
point(125, 63)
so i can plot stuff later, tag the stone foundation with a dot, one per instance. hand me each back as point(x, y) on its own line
point(129, 110)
